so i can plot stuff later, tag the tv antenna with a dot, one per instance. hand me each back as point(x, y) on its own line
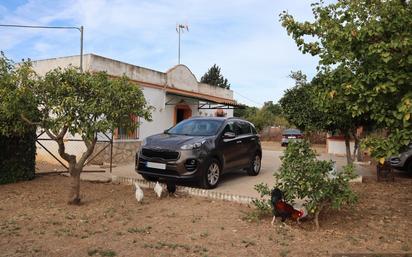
point(180, 28)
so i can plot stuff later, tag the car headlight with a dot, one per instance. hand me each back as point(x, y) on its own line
point(192, 146)
point(144, 142)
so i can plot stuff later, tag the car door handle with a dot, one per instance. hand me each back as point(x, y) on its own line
point(239, 141)
point(252, 139)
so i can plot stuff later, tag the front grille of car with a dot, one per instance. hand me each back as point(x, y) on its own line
point(164, 154)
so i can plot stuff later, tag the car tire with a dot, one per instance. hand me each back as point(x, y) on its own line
point(255, 165)
point(150, 178)
point(409, 166)
point(211, 175)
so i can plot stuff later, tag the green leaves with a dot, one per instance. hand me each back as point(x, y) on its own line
point(368, 45)
point(16, 98)
point(88, 102)
point(214, 77)
point(302, 176)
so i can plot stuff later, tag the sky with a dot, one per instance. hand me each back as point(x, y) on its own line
point(243, 37)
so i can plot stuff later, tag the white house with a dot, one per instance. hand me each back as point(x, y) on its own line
point(175, 94)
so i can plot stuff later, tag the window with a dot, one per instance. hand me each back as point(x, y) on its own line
point(122, 134)
point(229, 128)
point(196, 127)
point(244, 128)
point(253, 130)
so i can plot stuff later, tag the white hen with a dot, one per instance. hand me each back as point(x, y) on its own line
point(139, 193)
point(158, 189)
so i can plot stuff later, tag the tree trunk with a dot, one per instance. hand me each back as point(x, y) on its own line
point(348, 153)
point(357, 153)
point(360, 155)
point(317, 219)
point(355, 149)
point(74, 195)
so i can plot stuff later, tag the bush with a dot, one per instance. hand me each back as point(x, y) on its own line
point(302, 176)
point(17, 157)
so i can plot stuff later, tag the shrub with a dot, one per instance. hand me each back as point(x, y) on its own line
point(17, 157)
point(302, 176)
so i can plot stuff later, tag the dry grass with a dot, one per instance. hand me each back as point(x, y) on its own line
point(36, 221)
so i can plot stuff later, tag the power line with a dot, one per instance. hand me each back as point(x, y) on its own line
point(39, 27)
point(253, 101)
point(80, 29)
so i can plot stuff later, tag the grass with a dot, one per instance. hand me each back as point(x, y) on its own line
point(405, 248)
point(9, 228)
point(143, 230)
point(102, 253)
point(161, 245)
point(248, 243)
point(256, 215)
point(284, 253)
point(204, 234)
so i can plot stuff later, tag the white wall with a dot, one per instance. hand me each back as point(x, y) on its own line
point(75, 148)
point(338, 146)
point(179, 76)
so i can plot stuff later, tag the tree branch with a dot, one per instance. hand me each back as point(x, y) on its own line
point(62, 149)
point(88, 153)
point(25, 119)
point(63, 132)
point(50, 134)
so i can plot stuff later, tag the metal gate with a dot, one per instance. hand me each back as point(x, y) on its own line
point(49, 161)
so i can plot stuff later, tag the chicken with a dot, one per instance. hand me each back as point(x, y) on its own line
point(282, 209)
point(171, 187)
point(139, 193)
point(158, 189)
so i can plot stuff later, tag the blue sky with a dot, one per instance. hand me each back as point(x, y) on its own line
point(243, 37)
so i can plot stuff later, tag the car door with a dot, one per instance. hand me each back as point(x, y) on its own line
point(247, 145)
point(229, 147)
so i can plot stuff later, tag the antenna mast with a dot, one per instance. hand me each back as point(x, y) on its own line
point(180, 28)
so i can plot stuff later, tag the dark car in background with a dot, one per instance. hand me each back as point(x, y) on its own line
point(403, 161)
point(201, 149)
point(291, 134)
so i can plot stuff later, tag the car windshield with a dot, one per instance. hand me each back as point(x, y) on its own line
point(196, 127)
point(292, 132)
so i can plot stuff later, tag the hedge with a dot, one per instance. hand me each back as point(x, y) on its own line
point(17, 157)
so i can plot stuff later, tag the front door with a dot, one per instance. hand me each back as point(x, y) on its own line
point(182, 112)
point(231, 147)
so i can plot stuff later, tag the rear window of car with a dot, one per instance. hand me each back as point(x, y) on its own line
point(292, 132)
point(254, 130)
point(244, 128)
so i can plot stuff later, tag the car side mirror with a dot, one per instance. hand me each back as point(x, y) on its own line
point(229, 135)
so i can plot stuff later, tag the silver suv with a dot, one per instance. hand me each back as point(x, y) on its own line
point(403, 161)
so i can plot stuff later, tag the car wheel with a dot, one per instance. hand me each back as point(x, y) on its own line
point(211, 175)
point(255, 165)
point(150, 178)
point(409, 167)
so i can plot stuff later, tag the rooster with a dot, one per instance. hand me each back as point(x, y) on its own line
point(282, 209)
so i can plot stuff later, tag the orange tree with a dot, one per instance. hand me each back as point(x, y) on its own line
point(371, 42)
point(84, 104)
point(303, 176)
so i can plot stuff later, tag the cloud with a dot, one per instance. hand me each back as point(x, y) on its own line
point(244, 37)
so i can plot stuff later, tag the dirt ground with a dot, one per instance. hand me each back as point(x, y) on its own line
point(36, 221)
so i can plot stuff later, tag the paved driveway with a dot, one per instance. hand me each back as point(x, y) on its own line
point(236, 182)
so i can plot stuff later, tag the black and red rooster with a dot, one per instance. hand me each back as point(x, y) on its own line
point(284, 210)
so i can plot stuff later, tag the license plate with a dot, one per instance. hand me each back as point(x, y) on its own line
point(292, 137)
point(155, 165)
